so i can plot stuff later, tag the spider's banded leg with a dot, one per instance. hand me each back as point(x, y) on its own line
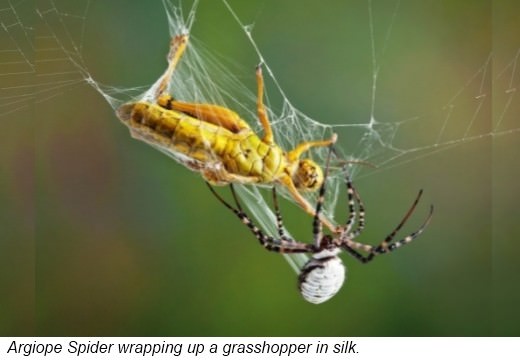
point(262, 113)
point(361, 210)
point(408, 239)
point(391, 247)
point(347, 236)
point(388, 246)
point(352, 198)
point(351, 205)
point(177, 47)
point(358, 256)
point(268, 242)
point(384, 244)
point(317, 226)
point(278, 214)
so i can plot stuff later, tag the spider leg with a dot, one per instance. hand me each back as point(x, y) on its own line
point(352, 191)
point(317, 226)
point(283, 245)
point(347, 234)
point(357, 255)
point(278, 214)
point(351, 205)
point(387, 245)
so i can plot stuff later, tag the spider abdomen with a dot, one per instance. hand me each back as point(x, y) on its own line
point(321, 278)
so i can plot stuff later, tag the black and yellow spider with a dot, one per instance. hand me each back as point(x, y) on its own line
point(324, 273)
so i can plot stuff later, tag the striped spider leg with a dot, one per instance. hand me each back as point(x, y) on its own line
point(324, 273)
point(346, 235)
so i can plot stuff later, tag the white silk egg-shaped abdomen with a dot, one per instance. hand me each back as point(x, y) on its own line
point(321, 277)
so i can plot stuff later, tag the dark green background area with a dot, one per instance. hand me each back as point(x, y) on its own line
point(103, 235)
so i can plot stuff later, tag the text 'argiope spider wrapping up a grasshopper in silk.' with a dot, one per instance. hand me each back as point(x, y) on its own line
point(215, 142)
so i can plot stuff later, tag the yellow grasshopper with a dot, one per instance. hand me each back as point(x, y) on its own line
point(216, 142)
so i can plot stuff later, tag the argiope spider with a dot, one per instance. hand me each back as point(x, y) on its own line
point(324, 273)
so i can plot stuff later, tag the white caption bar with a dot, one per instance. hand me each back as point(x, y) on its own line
point(258, 348)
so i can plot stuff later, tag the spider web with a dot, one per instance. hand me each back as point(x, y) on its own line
point(42, 56)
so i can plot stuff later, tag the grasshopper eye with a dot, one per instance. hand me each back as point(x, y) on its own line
point(308, 176)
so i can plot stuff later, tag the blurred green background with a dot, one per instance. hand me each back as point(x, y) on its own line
point(103, 235)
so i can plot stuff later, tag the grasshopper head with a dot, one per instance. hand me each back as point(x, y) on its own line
point(308, 176)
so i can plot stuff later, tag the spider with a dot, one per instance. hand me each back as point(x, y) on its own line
point(217, 143)
point(324, 273)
